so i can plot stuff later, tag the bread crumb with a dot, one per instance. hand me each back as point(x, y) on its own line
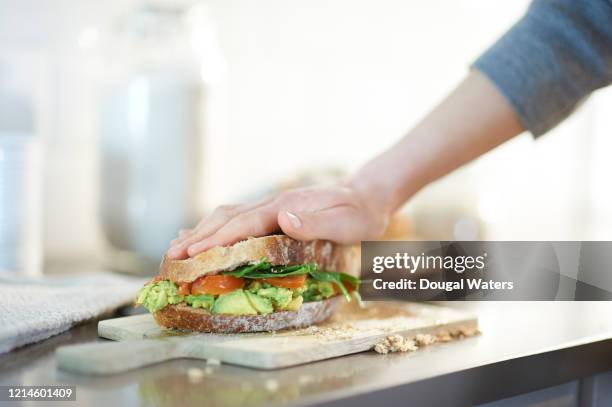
point(312, 330)
point(398, 343)
point(444, 336)
point(424, 340)
point(459, 333)
point(271, 385)
point(194, 375)
point(344, 331)
point(395, 343)
point(468, 331)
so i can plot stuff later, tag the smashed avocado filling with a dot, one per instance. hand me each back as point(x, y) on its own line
point(256, 296)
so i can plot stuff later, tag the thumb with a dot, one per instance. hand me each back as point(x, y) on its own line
point(340, 224)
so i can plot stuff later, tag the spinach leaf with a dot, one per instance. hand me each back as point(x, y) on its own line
point(249, 268)
point(334, 278)
point(264, 269)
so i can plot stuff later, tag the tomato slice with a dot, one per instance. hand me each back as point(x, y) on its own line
point(287, 282)
point(184, 288)
point(216, 285)
point(346, 285)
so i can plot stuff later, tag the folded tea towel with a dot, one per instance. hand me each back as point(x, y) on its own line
point(33, 309)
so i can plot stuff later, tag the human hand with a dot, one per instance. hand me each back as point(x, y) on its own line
point(338, 213)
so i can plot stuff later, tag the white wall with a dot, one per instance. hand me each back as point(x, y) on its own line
point(333, 82)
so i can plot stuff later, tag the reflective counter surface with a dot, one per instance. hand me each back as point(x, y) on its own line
point(523, 346)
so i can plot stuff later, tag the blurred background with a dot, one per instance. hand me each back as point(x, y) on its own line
point(124, 120)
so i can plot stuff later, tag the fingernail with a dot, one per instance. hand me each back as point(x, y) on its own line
point(295, 221)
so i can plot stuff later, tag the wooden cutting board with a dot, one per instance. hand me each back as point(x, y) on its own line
point(351, 330)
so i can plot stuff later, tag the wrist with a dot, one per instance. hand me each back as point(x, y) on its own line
point(375, 191)
point(388, 181)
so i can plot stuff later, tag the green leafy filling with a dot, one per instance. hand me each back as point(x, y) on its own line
point(266, 270)
point(263, 297)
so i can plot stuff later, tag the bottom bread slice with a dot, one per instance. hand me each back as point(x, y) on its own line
point(183, 316)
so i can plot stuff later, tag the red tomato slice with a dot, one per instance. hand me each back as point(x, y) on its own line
point(287, 282)
point(184, 288)
point(346, 285)
point(216, 285)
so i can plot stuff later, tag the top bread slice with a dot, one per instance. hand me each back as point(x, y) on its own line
point(276, 249)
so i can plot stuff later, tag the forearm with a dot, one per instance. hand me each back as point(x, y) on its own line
point(472, 120)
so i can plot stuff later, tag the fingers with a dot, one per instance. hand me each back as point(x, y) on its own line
point(297, 213)
point(210, 225)
point(182, 235)
point(340, 224)
point(258, 222)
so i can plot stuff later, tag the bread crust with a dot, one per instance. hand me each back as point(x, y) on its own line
point(277, 249)
point(183, 316)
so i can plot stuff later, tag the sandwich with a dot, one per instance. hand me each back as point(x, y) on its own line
point(260, 284)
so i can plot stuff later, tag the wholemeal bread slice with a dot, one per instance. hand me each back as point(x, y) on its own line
point(197, 319)
point(277, 249)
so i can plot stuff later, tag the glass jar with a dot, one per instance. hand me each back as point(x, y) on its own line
point(151, 129)
point(20, 186)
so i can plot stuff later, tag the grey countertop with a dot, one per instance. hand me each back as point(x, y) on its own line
point(524, 346)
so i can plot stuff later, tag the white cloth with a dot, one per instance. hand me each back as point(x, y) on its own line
point(33, 309)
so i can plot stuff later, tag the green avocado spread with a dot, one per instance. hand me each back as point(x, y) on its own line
point(256, 297)
point(156, 296)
